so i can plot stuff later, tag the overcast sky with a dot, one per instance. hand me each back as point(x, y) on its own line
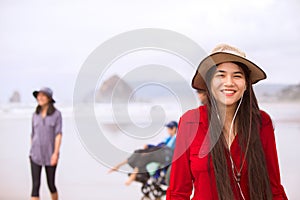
point(46, 42)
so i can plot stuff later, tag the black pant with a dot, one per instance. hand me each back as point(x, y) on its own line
point(36, 178)
point(141, 157)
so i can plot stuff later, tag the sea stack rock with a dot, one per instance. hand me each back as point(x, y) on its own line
point(116, 85)
point(15, 97)
point(291, 93)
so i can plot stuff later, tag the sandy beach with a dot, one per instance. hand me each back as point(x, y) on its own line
point(80, 176)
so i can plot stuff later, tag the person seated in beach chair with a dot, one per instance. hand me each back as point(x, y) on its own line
point(170, 140)
point(161, 154)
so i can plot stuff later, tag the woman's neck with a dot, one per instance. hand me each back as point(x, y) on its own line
point(227, 112)
point(44, 110)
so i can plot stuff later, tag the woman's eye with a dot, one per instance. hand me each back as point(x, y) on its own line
point(237, 76)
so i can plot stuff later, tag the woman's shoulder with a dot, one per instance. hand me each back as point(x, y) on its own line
point(193, 115)
point(267, 133)
point(57, 112)
point(265, 118)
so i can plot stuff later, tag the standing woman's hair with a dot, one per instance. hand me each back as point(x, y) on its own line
point(248, 129)
point(50, 111)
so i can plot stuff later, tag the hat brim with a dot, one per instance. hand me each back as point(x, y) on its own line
point(198, 82)
point(35, 94)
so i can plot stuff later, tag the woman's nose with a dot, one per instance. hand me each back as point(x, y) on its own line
point(228, 81)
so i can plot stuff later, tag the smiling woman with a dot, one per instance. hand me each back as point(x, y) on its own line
point(226, 149)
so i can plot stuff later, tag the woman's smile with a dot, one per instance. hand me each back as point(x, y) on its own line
point(228, 92)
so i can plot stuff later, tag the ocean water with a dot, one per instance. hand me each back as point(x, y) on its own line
point(81, 177)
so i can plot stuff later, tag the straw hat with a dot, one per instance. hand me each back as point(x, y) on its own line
point(225, 53)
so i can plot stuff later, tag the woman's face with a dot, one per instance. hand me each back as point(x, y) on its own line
point(228, 83)
point(42, 99)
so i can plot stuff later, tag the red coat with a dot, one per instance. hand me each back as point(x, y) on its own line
point(189, 170)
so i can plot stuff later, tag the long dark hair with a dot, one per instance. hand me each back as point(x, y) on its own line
point(50, 111)
point(248, 127)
